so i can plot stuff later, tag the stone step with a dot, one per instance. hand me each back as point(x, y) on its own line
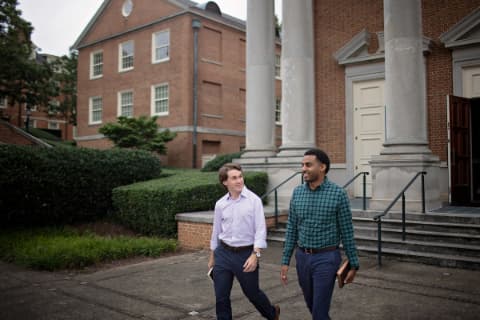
point(411, 234)
point(443, 260)
point(464, 218)
point(445, 227)
point(421, 246)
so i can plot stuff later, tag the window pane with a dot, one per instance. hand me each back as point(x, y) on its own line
point(127, 55)
point(126, 104)
point(162, 45)
point(97, 64)
point(161, 99)
point(97, 105)
point(162, 38)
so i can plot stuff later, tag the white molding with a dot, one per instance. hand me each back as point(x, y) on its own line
point(465, 32)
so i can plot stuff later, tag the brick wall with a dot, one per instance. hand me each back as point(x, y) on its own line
point(336, 22)
point(221, 66)
point(192, 235)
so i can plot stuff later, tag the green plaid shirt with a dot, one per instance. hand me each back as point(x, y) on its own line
point(320, 218)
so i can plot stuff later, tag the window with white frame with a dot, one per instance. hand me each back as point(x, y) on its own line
point(126, 52)
point(96, 110)
point(96, 64)
point(3, 102)
point(125, 103)
point(160, 100)
point(53, 125)
point(160, 46)
point(277, 66)
point(278, 114)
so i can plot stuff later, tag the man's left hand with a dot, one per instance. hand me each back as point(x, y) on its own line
point(350, 276)
point(251, 264)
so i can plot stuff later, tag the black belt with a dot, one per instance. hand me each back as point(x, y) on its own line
point(236, 249)
point(317, 250)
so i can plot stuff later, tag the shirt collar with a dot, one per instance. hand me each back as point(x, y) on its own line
point(242, 194)
point(320, 187)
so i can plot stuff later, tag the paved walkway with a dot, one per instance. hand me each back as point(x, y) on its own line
point(176, 287)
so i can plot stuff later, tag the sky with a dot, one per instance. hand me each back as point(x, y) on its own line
point(58, 23)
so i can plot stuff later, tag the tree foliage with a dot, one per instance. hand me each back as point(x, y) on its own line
point(138, 133)
point(22, 78)
point(66, 77)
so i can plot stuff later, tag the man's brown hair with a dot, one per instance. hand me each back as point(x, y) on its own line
point(223, 171)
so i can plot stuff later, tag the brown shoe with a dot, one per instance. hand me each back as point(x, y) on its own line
point(277, 312)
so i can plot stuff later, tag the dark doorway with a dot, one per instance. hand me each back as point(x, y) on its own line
point(475, 125)
point(464, 157)
point(460, 157)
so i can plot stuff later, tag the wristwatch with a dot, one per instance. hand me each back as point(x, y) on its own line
point(258, 254)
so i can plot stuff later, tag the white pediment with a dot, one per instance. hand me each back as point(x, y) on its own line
point(356, 50)
point(465, 32)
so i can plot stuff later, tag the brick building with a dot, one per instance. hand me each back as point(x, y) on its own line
point(55, 123)
point(138, 58)
point(380, 73)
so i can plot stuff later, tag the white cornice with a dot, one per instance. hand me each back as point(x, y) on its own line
point(465, 32)
point(356, 50)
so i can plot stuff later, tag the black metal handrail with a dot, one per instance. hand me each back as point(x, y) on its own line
point(365, 174)
point(378, 218)
point(275, 189)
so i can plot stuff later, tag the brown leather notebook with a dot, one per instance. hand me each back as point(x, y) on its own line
point(342, 273)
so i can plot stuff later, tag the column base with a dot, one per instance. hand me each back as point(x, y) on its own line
point(296, 151)
point(392, 172)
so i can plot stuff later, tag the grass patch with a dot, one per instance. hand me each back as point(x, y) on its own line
point(66, 248)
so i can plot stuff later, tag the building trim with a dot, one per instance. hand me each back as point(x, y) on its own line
point(356, 49)
point(186, 6)
point(178, 129)
point(465, 32)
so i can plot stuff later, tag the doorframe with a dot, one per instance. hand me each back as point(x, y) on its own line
point(356, 73)
point(449, 150)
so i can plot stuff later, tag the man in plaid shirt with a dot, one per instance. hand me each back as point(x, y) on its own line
point(319, 219)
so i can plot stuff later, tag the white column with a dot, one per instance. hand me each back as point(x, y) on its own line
point(298, 94)
point(405, 79)
point(260, 126)
point(405, 151)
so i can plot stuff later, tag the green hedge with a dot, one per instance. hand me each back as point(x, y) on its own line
point(216, 163)
point(149, 207)
point(62, 185)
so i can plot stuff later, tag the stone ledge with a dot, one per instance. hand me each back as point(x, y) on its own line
point(207, 216)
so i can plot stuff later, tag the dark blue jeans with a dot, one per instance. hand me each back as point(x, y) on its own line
point(229, 264)
point(316, 276)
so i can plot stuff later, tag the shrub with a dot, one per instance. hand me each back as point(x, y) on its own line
point(62, 185)
point(216, 163)
point(149, 207)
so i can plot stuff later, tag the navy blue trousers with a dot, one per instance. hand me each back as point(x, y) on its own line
point(316, 276)
point(228, 265)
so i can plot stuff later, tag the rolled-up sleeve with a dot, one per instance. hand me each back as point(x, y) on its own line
point(260, 225)
point(216, 229)
point(346, 230)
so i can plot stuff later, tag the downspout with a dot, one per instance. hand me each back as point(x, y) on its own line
point(196, 24)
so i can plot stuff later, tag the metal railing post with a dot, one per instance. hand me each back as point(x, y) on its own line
point(423, 192)
point(403, 216)
point(379, 251)
point(364, 191)
point(276, 209)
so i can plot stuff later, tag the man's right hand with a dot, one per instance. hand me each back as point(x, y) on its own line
point(283, 274)
point(211, 260)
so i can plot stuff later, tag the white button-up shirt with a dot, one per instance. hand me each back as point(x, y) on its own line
point(239, 222)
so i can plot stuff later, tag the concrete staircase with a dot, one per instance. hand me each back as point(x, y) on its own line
point(445, 239)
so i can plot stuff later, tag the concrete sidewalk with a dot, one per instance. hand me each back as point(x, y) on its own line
point(176, 287)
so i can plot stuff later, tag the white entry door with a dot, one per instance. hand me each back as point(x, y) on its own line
point(471, 82)
point(369, 128)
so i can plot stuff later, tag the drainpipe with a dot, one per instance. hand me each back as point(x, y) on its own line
point(196, 24)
